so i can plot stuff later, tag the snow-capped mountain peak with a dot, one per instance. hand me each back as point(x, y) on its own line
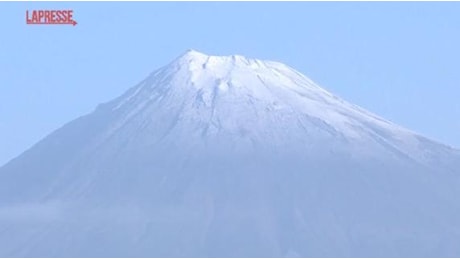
point(265, 102)
point(230, 156)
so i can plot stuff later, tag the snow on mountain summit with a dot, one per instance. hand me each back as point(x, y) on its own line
point(225, 156)
point(264, 101)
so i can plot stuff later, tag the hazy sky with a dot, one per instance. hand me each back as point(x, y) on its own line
point(399, 60)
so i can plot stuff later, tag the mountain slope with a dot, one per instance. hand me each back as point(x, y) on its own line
point(229, 156)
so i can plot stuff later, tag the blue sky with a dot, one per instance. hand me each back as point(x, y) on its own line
point(397, 59)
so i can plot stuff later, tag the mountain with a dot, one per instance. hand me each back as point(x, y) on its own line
point(231, 157)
